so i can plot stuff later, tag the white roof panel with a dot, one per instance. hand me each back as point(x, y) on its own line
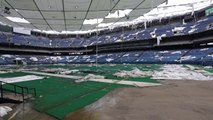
point(74, 22)
point(22, 4)
point(30, 14)
point(75, 15)
point(76, 5)
point(53, 15)
point(55, 5)
point(37, 21)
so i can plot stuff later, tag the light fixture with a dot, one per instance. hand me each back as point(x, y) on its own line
point(7, 10)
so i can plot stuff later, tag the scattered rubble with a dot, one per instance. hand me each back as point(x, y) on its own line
point(178, 72)
point(134, 73)
point(208, 67)
point(4, 110)
point(61, 71)
point(90, 76)
point(1, 72)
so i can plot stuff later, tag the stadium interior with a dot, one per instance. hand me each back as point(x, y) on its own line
point(60, 57)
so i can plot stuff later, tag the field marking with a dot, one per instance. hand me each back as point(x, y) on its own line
point(54, 75)
point(21, 78)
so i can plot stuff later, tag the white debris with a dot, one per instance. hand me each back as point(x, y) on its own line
point(163, 35)
point(60, 71)
point(4, 110)
point(34, 59)
point(98, 78)
point(65, 72)
point(204, 49)
point(109, 59)
point(134, 73)
point(164, 51)
point(21, 79)
point(119, 40)
point(187, 58)
point(194, 26)
point(202, 20)
point(210, 55)
point(153, 35)
point(192, 30)
point(2, 72)
point(178, 28)
point(7, 56)
point(18, 58)
point(177, 72)
point(88, 77)
point(86, 56)
point(176, 52)
point(208, 67)
point(125, 55)
point(56, 58)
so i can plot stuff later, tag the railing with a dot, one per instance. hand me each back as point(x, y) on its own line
point(17, 90)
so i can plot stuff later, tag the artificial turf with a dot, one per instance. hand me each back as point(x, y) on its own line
point(60, 96)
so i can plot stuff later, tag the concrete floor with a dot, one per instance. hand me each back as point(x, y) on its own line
point(174, 100)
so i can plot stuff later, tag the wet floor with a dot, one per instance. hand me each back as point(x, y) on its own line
point(24, 111)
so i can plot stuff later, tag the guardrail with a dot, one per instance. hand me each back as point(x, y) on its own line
point(16, 89)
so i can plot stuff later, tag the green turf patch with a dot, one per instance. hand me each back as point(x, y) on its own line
point(209, 70)
point(60, 96)
point(80, 102)
point(13, 74)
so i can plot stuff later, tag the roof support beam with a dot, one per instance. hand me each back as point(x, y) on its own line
point(86, 13)
point(65, 24)
point(42, 15)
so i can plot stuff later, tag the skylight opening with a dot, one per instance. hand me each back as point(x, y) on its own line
point(18, 20)
point(93, 21)
point(119, 13)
